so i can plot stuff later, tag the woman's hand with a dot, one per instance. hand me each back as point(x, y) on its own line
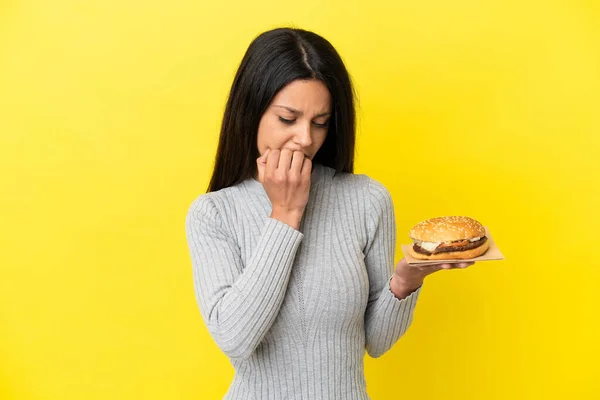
point(285, 175)
point(408, 278)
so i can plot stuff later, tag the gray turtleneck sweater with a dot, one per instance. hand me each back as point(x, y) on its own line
point(295, 310)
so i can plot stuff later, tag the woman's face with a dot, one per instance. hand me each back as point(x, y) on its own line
point(297, 118)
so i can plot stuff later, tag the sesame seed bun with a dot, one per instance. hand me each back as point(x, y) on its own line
point(447, 229)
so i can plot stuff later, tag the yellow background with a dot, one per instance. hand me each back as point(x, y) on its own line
point(109, 118)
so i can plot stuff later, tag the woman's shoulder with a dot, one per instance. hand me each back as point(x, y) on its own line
point(217, 199)
point(358, 183)
point(203, 208)
point(221, 206)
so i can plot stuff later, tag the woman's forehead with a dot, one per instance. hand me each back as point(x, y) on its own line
point(311, 96)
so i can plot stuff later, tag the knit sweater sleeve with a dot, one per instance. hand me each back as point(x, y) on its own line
point(386, 318)
point(238, 301)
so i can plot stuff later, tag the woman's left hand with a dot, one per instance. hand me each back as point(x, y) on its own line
point(408, 278)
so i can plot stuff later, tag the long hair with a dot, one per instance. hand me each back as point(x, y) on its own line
point(274, 59)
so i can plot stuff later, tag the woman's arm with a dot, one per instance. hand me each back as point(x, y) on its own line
point(238, 303)
point(387, 317)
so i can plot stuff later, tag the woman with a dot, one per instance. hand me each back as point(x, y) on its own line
point(292, 253)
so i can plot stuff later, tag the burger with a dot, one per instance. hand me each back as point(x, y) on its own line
point(448, 238)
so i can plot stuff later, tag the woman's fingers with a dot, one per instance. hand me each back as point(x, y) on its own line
point(286, 181)
point(306, 168)
point(457, 265)
point(261, 165)
point(297, 161)
point(437, 267)
point(272, 162)
point(285, 160)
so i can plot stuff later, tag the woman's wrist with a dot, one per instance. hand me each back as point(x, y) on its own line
point(402, 288)
point(291, 218)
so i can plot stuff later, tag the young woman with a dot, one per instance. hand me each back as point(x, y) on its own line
point(293, 253)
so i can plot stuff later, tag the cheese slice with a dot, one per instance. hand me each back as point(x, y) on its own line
point(431, 246)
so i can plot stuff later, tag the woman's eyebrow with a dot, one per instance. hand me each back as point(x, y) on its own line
point(298, 112)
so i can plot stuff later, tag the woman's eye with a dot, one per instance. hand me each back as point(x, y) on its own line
point(323, 125)
point(291, 121)
point(286, 121)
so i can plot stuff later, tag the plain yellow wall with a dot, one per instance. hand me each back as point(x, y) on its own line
point(109, 118)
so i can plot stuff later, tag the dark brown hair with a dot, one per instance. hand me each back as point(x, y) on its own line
point(274, 59)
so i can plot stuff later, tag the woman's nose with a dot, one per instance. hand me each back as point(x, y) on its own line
point(303, 137)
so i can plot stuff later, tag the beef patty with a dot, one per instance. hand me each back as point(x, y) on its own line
point(471, 245)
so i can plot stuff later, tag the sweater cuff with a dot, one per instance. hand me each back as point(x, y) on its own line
point(281, 228)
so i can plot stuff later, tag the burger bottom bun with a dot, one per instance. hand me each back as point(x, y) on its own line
point(453, 255)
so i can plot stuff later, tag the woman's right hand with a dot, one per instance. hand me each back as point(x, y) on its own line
point(285, 175)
